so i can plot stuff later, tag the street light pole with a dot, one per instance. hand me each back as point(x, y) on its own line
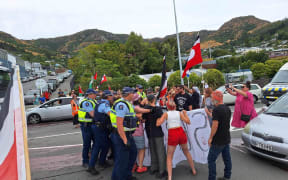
point(178, 44)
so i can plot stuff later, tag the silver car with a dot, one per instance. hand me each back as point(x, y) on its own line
point(29, 96)
point(266, 135)
point(55, 109)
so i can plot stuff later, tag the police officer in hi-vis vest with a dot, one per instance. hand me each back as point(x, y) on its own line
point(124, 122)
point(85, 117)
point(140, 91)
point(101, 126)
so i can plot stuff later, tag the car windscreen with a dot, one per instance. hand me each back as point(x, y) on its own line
point(4, 80)
point(222, 88)
point(51, 80)
point(33, 92)
point(280, 77)
point(279, 107)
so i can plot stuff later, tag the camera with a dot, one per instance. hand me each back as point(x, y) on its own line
point(227, 86)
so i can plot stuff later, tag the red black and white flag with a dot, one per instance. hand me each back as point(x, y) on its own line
point(194, 57)
point(104, 79)
point(163, 87)
point(14, 157)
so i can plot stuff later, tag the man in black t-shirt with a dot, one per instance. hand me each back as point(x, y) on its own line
point(182, 100)
point(219, 140)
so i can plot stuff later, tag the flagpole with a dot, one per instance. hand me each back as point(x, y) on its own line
point(178, 44)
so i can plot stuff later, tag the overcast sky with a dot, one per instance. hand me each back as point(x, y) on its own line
point(31, 19)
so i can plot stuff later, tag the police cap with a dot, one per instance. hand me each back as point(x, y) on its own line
point(91, 91)
point(127, 90)
point(107, 93)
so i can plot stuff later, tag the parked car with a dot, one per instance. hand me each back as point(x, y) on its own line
point(31, 78)
point(277, 87)
point(55, 109)
point(60, 79)
point(24, 79)
point(266, 135)
point(54, 81)
point(28, 97)
point(52, 86)
point(5, 78)
point(230, 99)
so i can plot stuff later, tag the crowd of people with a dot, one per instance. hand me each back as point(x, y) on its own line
point(113, 125)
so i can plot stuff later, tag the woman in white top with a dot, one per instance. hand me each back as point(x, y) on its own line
point(176, 135)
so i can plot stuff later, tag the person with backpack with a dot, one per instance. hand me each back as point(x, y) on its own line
point(100, 132)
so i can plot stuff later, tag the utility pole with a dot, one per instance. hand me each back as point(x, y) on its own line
point(178, 44)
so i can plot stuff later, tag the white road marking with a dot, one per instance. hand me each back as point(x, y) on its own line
point(55, 147)
point(238, 149)
point(55, 135)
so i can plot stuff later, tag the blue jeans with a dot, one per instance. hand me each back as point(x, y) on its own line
point(101, 143)
point(87, 139)
point(125, 157)
point(212, 157)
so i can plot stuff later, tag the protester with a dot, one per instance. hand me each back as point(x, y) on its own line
point(47, 95)
point(139, 138)
point(244, 105)
point(75, 108)
point(35, 99)
point(195, 98)
point(170, 98)
point(60, 93)
point(219, 140)
point(182, 99)
point(156, 139)
point(207, 103)
point(42, 99)
point(176, 135)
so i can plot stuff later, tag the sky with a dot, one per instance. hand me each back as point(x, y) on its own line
point(32, 19)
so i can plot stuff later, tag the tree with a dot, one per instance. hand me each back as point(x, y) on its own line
point(214, 78)
point(174, 79)
point(194, 80)
point(259, 70)
point(154, 81)
point(272, 67)
point(220, 52)
point(134, 79)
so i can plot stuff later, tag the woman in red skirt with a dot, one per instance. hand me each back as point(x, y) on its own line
point(176, 135)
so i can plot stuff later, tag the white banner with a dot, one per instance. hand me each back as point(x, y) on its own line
point(197, 132)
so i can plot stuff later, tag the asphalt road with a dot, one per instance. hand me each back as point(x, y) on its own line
point(55, 153)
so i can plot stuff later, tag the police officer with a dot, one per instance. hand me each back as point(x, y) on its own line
point(141, 92)
point(85, 115)
point(100, 132)
point(124, 121)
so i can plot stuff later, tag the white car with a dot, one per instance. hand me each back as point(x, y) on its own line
point(55, 109)
point(230, 99)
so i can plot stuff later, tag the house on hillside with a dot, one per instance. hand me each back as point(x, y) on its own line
point(209, 64)
point(278, 53)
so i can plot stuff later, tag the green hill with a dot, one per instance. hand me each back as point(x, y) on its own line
point(236, 32)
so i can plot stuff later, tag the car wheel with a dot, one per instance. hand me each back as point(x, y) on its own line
point(255, 99)
point(34, 119)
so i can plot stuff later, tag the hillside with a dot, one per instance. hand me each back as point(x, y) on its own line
point(232, 33)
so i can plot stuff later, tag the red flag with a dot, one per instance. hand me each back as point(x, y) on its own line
point(103, 79)
point(194, 57)
point(95, 76)
point(80, 90)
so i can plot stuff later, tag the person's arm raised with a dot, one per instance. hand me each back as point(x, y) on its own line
point(184, 117)
point(161, 119)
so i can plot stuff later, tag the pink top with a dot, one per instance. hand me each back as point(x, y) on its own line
point(139, 130)
point(243, 105)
